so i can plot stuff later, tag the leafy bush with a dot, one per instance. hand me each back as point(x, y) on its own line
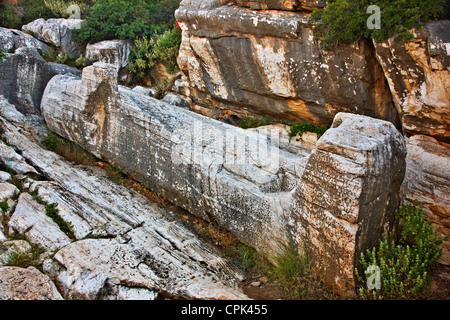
point(403, 266)
point(147, 51)
point(345, 21)
point(2, 55)
point(127, 19)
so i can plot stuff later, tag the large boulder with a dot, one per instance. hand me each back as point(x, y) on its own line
point(244, 180)
point(428, 182)
point(58, 33)
point(25, 75)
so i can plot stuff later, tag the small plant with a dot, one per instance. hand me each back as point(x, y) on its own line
point(62, 58)
point(52, 211)
point(2, 55)
point(80, 62)
point(251, 122)
point(4, 206)
point(403, 266)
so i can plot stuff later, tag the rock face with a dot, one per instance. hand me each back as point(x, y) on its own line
point(242, 61)
point(24, 76)
point(242, 179)
point(58, 33)
point(124, 247)
point(419, 78)
point(14, 39)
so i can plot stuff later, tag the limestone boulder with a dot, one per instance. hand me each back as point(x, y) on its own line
point(58, 33)
point(114, 52)
point(11, 39)
point(26, 284)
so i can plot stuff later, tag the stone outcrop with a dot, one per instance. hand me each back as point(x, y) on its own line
point(58, 33)
point(124, 246)
point(261, 58)
point(428, 181)
point(13, 39)
point(419, 79)
point(24, 76)
point(341, 192)
point(242, 61)
point(114, 52)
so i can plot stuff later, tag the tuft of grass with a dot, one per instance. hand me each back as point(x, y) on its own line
point(25, 259)
point(68, 149)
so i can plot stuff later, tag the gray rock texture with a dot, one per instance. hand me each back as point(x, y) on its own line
point(24, 76)
point(10, 40)
point(341, 192)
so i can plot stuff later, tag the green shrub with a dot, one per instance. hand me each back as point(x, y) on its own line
point(147, 51)
point(403, 266)
point(127, 19)
point(302, 127)
point(346, 21)
point(2, 55)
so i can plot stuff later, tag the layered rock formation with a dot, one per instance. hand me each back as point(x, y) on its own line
point(342, 192)
point(124, 247)
point(242, 61)
point(24, 76)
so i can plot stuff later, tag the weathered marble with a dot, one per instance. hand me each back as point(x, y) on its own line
point(245, 62)
point(342, 191)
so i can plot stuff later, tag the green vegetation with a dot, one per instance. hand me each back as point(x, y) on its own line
point(24, 258)
point(346, 21)
point(4, 206)
point(404, 266)
point(302, 127)
point(147, 51)
point(67, 149)
point(2, 55)
point(127, 19)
